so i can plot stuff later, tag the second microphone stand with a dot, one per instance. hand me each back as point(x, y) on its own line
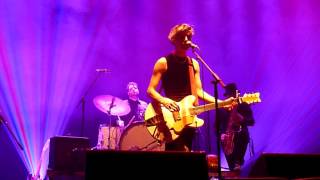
point(83, 102)
point(217, 125)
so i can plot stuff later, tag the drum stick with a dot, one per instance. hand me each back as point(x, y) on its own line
point(130, 122)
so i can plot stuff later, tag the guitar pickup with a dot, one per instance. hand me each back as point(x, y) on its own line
point(176, 116)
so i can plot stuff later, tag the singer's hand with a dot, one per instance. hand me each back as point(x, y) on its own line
point(170, 104)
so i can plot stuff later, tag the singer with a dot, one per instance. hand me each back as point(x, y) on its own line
point(179, 75)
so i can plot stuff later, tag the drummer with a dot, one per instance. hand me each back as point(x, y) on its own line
point(137, 106)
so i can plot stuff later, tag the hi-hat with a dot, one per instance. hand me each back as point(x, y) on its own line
point(111, 105)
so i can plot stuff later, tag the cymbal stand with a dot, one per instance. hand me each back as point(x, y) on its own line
point(120, 124)
point(109, 115)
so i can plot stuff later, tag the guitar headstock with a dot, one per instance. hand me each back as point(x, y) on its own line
point(251, 98)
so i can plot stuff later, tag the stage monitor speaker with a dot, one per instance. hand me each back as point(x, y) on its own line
point(286, 165)
point(108, 164)
point(67, 153)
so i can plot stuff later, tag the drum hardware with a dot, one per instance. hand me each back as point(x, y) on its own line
point(133, 136)
point(136, 137)
point(103, 137)
point(120, 124)
point(109, 115)
point(111, 105)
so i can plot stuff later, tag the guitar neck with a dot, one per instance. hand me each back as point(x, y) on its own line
point(207, 107)
point(248, 98)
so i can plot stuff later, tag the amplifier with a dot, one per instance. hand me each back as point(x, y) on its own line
point(67, 153)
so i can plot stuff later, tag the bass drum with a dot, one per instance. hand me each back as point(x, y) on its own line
point(137, 138)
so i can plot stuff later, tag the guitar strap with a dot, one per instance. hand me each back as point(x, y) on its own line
point(192, 80)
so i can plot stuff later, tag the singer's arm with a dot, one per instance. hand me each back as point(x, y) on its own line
point(159, 68)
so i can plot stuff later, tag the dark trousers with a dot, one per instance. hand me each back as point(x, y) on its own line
point(183, 142)
point(241, 141)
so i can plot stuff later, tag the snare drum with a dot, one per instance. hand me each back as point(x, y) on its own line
point(103, 137)
point(137, 137)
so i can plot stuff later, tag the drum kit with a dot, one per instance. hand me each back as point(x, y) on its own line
point(134, 136)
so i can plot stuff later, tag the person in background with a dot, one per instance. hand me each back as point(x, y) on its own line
point(137, 106)
point(134, 109)
point(234, 128)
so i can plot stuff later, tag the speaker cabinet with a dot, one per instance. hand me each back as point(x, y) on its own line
point(286, 165)
point(108, 164)
point(67, 153)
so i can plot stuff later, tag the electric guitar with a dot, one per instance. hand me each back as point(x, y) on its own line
point(165, 125)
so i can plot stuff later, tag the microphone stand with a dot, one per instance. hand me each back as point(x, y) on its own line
point(215, 82)
point(82, 102)
point(2, 121)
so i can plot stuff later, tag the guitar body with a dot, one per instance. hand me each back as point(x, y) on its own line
point(165, 125)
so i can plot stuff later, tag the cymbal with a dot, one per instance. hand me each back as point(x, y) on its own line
point(111, 105)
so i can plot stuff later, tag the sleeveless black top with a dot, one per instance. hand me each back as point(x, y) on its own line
point(176, 80)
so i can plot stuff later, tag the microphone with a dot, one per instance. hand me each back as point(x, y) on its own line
point(192, 45)
point(104, 70)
